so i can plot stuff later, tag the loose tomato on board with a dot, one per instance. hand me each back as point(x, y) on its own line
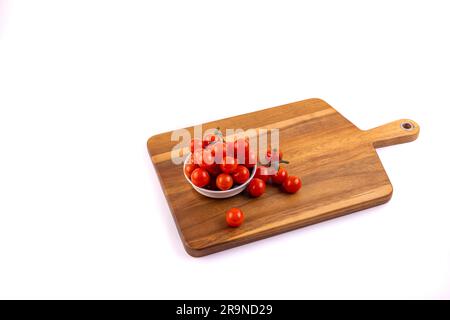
point(224, 181)
point(256, 187)
point(263, 173)
point(275, 155)
point(234, 217)
point(280, 176)
point(241, 174)
point(200, 177)
point(292, 184)
point(229, 165)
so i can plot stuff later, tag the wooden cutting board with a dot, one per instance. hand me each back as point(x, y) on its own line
point(337, 162)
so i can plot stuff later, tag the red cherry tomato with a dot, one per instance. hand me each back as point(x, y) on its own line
point(292, 184)
point(208, 158)
point(250, 159)
point(200, 177)
point(280, 176)
point(229, 165)
point(256, 187)
point(234, 217)
point(189, 168)
point(229, 149)
point(209, 138)
point(216, 148)
point(203, 158)
point(213, 169)
point(221, 150)
point(274, 155)
point(241, 148)
point(224, 181)
point(263, 173)
point(241, 174)
point(196, 144)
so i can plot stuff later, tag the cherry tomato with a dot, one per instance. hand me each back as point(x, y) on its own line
point(229, 149)
point(203, 158)
point(189, 168)
point(208, 158)
point(292, 184)
point(196, 144)
point(256, 187)
point(263, 173)
point(280, 176)
point(241, 148)
point(213, 169)
point(218, 150)
point(200, 177)
point(209, 138)
point(241, 174)
point(250, 159)
point(274, 155)
point(234, 217)
point(229, 165)
point(222, 149)
point(224, 181)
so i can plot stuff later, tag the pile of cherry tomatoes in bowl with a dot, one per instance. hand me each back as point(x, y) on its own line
point(219, 168)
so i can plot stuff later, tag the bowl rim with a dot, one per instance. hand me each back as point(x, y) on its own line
point(252, 175)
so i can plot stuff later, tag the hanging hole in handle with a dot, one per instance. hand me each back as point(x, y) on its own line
point(408, 126)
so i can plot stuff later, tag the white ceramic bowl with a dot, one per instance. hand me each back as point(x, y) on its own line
point(220, 194)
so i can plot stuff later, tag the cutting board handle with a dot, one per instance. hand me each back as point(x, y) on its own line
point(396, 132)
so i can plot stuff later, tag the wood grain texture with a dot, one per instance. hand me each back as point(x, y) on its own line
point(338, 164)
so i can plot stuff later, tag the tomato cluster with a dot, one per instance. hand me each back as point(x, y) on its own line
point(275, 175)
point(218, 165)
point(280, 176)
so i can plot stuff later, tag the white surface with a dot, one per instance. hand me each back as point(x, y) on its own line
point(83, 84)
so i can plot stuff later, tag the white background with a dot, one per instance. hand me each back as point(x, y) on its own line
point(83, 84)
